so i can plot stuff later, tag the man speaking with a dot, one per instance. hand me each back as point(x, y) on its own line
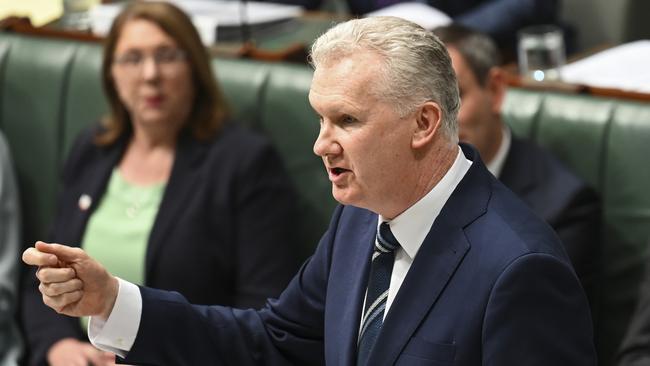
point(428, 260)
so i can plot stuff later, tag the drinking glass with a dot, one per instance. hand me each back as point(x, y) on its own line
point(76, 15)
point(541, 52)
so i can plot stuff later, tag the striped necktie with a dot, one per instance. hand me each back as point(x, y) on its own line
point(378, 283)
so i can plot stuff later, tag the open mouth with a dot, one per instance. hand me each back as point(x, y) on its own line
point(337, 171)
point(336, 174)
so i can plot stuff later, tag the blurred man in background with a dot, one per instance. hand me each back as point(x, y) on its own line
point(543, 182)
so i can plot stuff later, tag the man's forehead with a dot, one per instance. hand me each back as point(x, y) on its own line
point(347, 89)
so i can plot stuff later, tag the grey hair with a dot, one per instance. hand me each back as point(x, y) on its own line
point(416, 65)
point(479, 50)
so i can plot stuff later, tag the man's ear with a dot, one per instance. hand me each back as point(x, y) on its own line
point(496, 85)
point(428, 121)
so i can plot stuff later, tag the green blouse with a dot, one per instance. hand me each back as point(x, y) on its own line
point(118, 231)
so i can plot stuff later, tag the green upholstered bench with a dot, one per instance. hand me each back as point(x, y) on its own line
point(50, 90)
point(607, 143)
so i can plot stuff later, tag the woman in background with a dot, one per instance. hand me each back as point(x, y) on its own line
point(166, 193)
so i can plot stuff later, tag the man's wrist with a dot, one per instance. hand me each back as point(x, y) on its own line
point(117, 332)
point(114, 287)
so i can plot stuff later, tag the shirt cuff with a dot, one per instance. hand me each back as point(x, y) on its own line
point(117, 334)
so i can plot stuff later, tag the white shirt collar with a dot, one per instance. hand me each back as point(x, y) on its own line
point(411, 227)
point(496, 165)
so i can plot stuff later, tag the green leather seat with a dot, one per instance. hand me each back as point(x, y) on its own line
point(288, 119)
point(84, 99)
point(243, 83)
point(51, 90)
point(605, 141)
point(34, 84)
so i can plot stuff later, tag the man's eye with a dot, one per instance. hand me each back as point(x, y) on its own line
point(346, 120)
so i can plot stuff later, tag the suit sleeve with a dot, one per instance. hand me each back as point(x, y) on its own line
point(537, 295)
point(635, 349)
point(43, 326)
point(265, 243)
point(288, 331)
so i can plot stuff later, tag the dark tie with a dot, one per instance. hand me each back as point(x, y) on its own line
point(378, 283)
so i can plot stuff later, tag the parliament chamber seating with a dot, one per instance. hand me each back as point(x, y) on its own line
point(50, 90)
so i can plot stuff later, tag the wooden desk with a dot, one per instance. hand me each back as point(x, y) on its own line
point(283, 41)
point(290, 40)
point(515, 80)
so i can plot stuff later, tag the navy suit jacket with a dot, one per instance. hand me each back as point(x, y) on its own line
point(564, 201)
point(214, 238)
point(490, 285)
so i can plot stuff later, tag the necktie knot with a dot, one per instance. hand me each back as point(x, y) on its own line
point(386, 241)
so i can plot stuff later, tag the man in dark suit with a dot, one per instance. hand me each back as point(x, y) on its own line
point(429, 260)
point(635, 348)
point(552, 191)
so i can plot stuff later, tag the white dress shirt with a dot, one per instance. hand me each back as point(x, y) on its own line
point(118, 333)
point(495, 166)
point(411, 227)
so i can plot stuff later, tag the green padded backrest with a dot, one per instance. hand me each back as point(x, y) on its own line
point(605, 142)
point(34, 84)
point(84, 100)
point(626, 203)
point(243, 83)
point(520, 111)
point(574, 129)
point(289, 120)
point(51, 90)
point(4, 52)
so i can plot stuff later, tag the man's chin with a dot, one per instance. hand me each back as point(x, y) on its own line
point(344, 196)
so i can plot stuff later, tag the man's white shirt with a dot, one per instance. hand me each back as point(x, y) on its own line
point(411, 227)
point(495, 166)
point(117, 334)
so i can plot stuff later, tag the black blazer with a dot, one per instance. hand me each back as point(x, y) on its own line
point(222, 234)
point(560, 198)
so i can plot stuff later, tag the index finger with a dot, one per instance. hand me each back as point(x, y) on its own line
point(34, 257)
point(62, 252)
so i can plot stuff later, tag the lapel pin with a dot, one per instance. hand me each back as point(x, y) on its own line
point(84, 202)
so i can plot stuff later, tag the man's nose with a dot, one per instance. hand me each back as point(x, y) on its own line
point(325, 143)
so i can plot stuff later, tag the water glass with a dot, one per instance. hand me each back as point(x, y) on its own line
point(541, 52)
point(76, 15)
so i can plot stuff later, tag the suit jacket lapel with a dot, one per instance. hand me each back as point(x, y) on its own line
point(439, 256)
point(349, 314)
point(189, 153)
point(93, 184)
